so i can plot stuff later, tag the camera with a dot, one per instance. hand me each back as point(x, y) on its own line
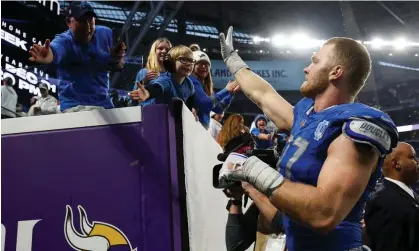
point(270, 157)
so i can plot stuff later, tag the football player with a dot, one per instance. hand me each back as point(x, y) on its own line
point(335, 151)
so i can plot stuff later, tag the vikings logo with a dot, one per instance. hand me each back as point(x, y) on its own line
point(98, 236)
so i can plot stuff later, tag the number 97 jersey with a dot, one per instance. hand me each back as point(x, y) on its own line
point(306, 151)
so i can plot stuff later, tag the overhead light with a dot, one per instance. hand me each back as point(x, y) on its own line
point(377, 43)
point(400, 44)
point(390, 54)
point(237, 50)
point(300, 41)
point(205, 49)
point(261, 51)
point(257, 39)
point(288, 52)
point(416, 55)
point(279, 40)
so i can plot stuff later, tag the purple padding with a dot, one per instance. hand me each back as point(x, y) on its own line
point(120, 174)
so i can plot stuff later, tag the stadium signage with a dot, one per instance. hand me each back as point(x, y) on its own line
point(26, 80)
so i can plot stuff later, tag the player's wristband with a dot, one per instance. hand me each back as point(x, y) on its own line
point(263, 177)
point(233, 202)
point(235, 63)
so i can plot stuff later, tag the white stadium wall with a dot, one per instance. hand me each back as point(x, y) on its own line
point(206, 211)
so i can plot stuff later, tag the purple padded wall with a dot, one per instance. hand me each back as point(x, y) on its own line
point(120, 174)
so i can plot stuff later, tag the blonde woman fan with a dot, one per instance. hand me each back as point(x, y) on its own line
point(154, 66)
point(205, 99)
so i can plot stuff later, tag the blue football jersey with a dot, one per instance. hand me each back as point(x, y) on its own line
point(306, 151)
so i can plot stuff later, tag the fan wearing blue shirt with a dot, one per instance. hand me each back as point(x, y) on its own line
point(263, 137)
point(175, 83)
point(84, 55)
point(205, 100)
point(154, 66)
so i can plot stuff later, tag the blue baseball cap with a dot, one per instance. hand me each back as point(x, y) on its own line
point(80, 10)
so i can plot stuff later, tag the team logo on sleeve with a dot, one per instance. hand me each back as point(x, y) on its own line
point(321, 128)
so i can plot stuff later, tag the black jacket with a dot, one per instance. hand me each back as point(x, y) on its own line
point(240, 144)
point(392, 219)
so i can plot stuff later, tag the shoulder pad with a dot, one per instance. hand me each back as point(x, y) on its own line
point(366, 132)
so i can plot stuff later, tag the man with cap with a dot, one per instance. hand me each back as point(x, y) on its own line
point(392, 214)
point(84, 55)
point(263, 136)
point(8, 99)
point(44, 105)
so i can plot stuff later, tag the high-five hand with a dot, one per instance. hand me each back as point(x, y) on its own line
point(230, 56)
point(41, 54)
point(233, 86)
point(141, 94)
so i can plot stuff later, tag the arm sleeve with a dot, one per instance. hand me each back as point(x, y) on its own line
point(222, 101)
point(164, 83)
point(241, 229)
point(140, 77)
point(190, 102)
point(255, 132)
point(202, 100)
point(276, 223)
point(155, 90)
point(59, 49)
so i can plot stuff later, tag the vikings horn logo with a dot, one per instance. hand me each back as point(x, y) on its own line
point(98, 236)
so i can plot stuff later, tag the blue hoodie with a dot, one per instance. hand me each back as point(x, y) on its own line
point(204, 104)
point(171, 89)
point(83, 69)
point(261, 144)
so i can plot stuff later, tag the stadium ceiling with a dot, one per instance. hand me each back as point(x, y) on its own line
point(324, 19)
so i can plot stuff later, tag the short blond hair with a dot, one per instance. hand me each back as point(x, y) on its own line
point(180, 51)
point(355, 59)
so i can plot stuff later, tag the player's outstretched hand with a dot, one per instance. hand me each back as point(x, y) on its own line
point(41, 54)
point(230, 56)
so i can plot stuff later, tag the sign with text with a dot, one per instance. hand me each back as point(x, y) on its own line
point(17, 36)
point(285, 75)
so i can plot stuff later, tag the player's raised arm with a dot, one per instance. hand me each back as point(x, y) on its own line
point(256, 88)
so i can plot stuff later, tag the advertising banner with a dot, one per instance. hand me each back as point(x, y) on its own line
point(286, 75)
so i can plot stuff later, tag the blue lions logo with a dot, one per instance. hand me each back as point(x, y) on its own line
point(321, 128)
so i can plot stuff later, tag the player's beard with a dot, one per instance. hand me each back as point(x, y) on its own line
point(317, 85)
